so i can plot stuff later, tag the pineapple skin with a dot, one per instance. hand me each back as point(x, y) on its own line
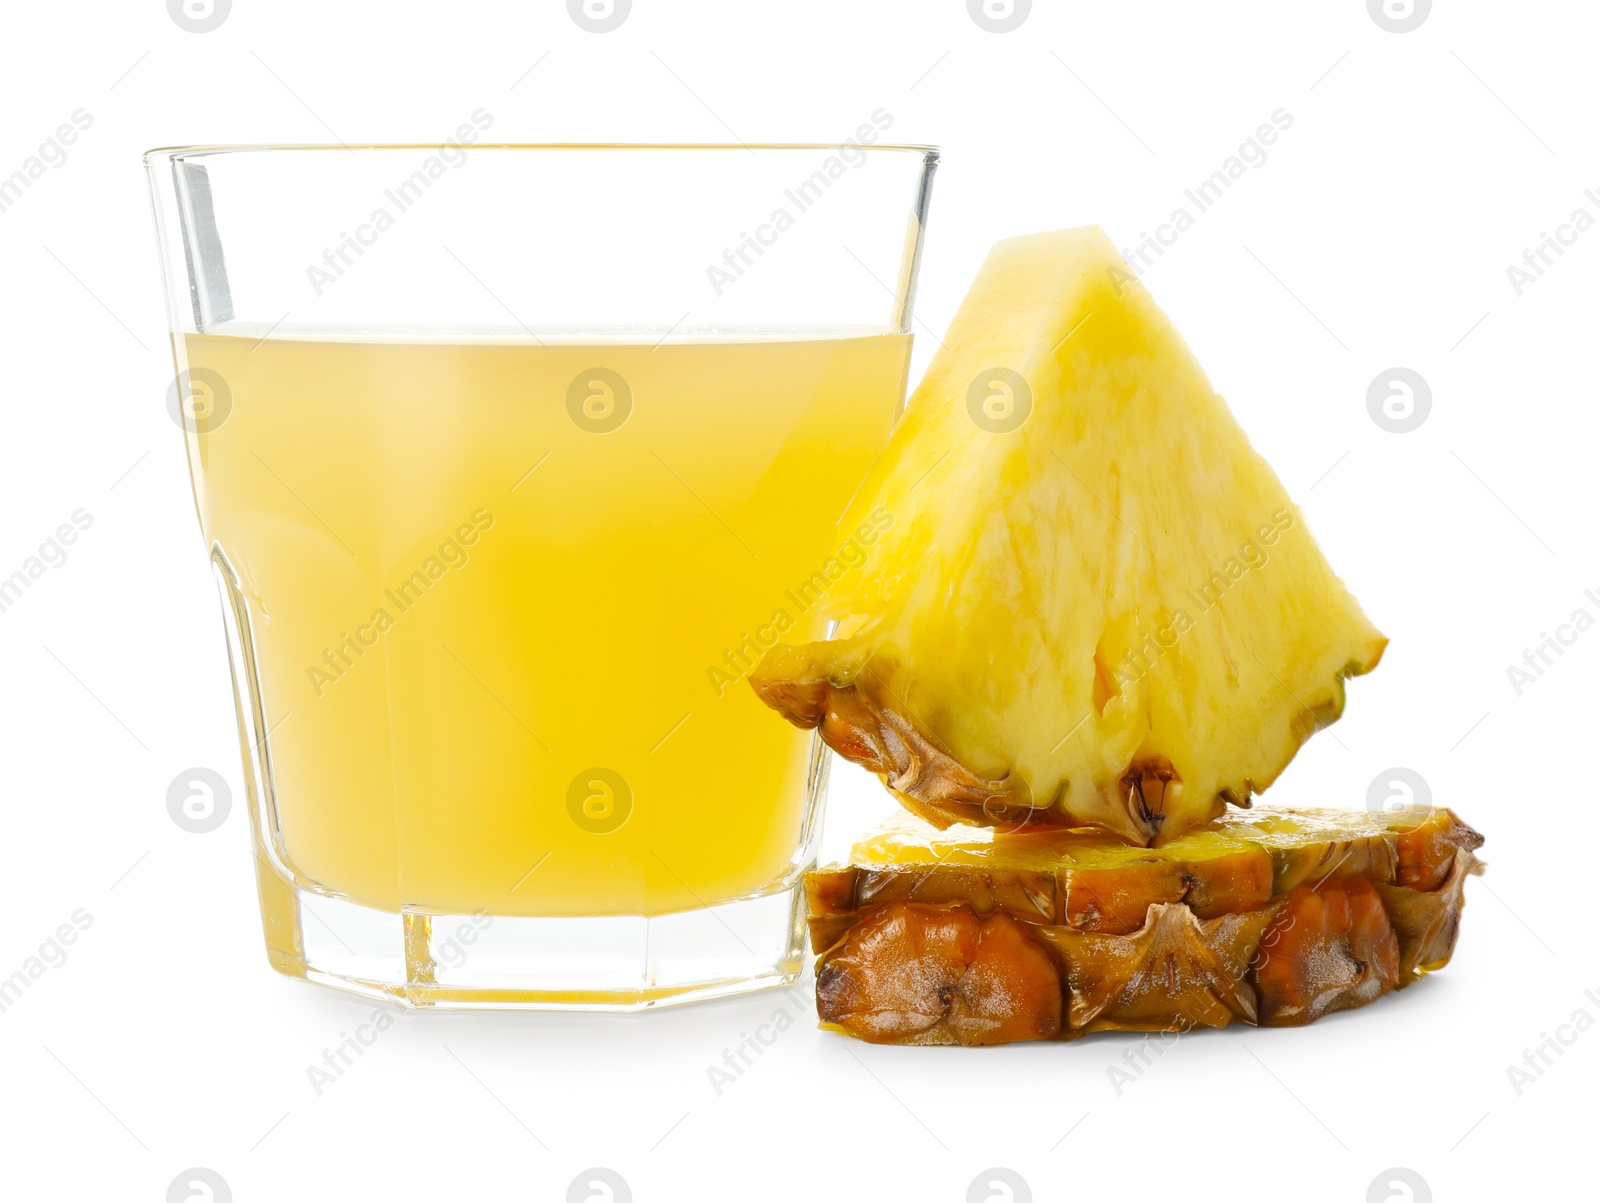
point(1110, 614)
point(1272, 919)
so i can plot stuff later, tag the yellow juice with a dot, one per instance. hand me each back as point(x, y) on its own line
point(499, 639)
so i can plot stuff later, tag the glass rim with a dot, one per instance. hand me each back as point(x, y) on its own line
point(924, 149)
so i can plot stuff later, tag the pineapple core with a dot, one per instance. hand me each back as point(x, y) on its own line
point(1093, 602)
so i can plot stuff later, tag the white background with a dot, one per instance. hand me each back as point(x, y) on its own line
point(1418, 167)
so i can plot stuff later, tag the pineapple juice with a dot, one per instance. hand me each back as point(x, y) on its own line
point(501, 595)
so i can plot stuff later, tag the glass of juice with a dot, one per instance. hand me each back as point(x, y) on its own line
point(510, 462)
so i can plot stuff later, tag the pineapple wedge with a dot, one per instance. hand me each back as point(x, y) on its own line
point(971, 936)
point(1094, 602)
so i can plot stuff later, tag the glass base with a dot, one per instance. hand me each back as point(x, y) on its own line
point(615, 963)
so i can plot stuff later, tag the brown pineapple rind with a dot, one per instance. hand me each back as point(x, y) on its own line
point(927, 780)
point(835, 895)
point(938, 953)
point(1328, 949)
point(964, 980)
point(1428, 921)
point(1176, 967)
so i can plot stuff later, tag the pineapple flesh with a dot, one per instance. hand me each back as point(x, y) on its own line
point(972, 936)
point(1094, 603)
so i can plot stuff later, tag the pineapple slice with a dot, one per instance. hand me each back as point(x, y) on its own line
point(972, 936)
point(1093, 603)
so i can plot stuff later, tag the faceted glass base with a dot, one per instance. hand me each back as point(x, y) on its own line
point(625, 963)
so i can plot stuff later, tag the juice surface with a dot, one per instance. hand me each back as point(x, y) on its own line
point(486, 628)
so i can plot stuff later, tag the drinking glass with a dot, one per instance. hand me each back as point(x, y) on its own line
point(511, 462)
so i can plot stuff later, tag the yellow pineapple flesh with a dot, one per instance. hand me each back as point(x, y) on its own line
point(1094, 603)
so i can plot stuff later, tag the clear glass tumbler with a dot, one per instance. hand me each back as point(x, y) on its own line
point(511, 461)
